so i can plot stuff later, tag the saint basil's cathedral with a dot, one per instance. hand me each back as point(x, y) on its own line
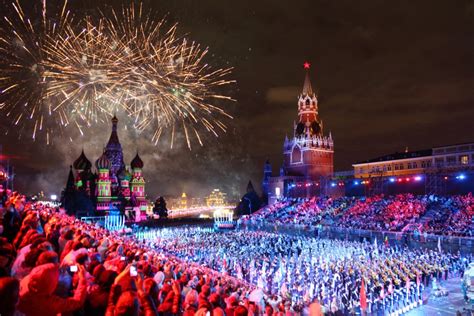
point(111, 187)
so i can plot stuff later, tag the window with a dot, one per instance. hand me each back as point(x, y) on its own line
point(396, 167)
point(451, 160)
point(423, 165)
point(296, 156)
point(414, 165)
point(307, 101)
point(401, 166)
point(389, 167)
point(464, 160)
point(409, 165)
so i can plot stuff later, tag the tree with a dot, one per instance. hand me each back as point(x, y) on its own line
point(160, 207)
point(68, 195)
point(250, 202)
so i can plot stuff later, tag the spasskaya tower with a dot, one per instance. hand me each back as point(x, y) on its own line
point(309, 153)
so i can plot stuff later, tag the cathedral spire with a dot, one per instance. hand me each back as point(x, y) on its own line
point(113, 150)
point(114, 122)
point(113, 136)
point(307, 88)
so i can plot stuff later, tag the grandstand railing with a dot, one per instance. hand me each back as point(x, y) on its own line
point(452, 244)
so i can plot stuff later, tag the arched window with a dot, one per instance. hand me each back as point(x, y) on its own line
point(296, 156)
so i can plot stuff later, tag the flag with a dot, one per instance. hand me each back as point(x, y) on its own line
point(439, 244)
point(224, 262)
point(418, 282)
point(408, 286)
point(363, 297)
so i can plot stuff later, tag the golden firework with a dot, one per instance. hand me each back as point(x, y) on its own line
point(123, 61)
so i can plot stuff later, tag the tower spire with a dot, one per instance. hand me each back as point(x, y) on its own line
point(114, 122)
point(113, 151)
point(307, 88)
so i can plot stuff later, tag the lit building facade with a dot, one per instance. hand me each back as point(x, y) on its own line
point(216, 198)
point(103, 183)
point(183, 202)
point(449, 158)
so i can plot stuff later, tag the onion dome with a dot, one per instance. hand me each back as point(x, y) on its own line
point(82, 163)
point(103, 162)
point(137, 163)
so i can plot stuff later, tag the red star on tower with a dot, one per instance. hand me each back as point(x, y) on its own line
point(306, 65)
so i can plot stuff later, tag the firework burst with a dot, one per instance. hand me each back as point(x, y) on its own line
point(168, 84)
point(22, 82)
point(124, 61)
point(85, 75)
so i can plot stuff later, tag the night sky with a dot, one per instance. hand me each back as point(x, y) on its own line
point(389, 75)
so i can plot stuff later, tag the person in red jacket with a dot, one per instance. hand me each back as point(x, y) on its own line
point(36, 294)
point(9, 295)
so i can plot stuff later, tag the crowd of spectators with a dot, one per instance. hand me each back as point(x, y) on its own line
point(51, 263)
point(391, 213)
point(448, 215)
point(452, 216)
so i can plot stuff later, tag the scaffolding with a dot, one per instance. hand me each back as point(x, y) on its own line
point(376, 185)
point(435, 183)
point(324, 184)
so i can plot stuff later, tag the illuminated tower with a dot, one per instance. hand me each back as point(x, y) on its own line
point(137, 185)
point(309, 153)
point(125, 178)
point(308, 156)
point(113, 151)
point(103, 183)
point(183, 203)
